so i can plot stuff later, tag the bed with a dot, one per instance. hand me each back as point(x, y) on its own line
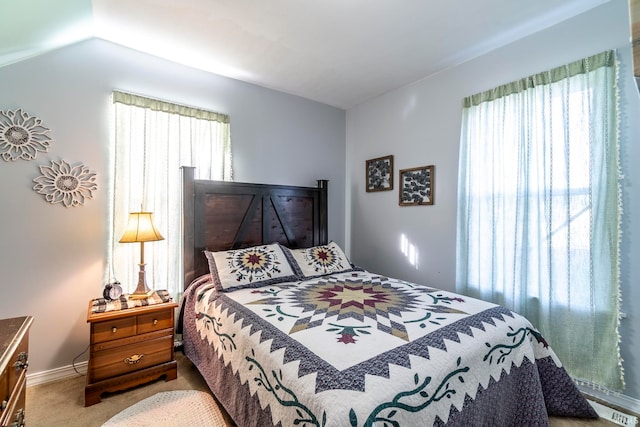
point(286, 331)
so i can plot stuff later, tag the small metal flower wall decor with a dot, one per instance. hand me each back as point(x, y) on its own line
point(66, 184)
point(22, 136)
point(417, 186)
point(380, 174)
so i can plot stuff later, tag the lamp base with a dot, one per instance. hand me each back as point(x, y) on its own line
point(142, 290)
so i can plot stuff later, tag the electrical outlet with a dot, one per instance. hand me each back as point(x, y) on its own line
point(614, 415)
point(623, 419)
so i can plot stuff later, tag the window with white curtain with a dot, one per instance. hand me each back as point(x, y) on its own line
point(539, 209)
point(152, 139)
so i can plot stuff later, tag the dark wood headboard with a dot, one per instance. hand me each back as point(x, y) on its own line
point(222, 215)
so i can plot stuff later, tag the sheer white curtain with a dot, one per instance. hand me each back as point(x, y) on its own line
point(152, 139)
point(539, 209)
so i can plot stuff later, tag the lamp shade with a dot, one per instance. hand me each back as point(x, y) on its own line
point(141, 229)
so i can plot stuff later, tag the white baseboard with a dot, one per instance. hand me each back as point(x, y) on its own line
point(44, 377)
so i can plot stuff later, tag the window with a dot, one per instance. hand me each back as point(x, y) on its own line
point(539, 209)
point(152, 139)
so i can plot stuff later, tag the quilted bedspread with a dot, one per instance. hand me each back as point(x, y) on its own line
point(359, 349)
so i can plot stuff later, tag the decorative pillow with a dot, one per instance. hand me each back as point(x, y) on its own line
point(319, 260)
point(250, 267)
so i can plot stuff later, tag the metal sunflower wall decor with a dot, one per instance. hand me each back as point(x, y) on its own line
point(22, 136)
point(66, 184)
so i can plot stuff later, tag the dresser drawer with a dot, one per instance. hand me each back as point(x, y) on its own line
point(14, 348)
point(4, 391)
point(125, 359)
point(113, 329)
point(154, 321)
point(14, 413)
point(18, 364)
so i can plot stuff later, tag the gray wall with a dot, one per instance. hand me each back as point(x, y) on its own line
point(53, 258)
point(420, 125)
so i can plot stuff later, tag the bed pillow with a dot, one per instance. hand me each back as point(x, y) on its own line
point(319, 260)
point(250, 267)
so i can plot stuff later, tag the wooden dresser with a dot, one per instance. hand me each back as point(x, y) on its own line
point(14, 355)
point(129, 347)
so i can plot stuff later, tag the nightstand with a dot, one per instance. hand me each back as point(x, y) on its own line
point(129, 347)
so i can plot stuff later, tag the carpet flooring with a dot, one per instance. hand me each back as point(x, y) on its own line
point(61, 403)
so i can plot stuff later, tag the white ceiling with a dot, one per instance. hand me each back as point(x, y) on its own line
point(338, 52)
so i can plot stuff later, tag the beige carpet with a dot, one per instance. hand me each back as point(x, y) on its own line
point(61, 403)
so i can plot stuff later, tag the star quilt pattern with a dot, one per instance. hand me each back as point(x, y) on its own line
point(358, 348)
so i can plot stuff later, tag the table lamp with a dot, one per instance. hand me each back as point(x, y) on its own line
point(141, 229)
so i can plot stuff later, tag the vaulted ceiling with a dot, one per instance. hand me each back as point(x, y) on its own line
point(339, 52)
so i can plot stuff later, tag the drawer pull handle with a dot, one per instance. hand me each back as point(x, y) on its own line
point(19, 419)
point(134, 359)
point(114, 330)
point(155, 322)
point(23, 362)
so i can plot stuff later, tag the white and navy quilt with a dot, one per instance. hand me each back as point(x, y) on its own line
point(359, 349)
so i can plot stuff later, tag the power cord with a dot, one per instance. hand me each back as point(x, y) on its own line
point(73, 363)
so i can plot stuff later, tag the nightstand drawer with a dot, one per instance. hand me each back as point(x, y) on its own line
point(113, 329)
point(130, 341)
point(155, 321)
point(122, 360)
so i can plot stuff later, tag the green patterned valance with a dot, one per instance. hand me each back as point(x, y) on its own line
point(604, 59)
point(168, 107)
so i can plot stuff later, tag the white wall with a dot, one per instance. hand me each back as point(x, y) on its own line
point(53, 257)
point(420, 125)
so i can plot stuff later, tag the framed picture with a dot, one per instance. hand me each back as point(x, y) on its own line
point(380, 174)
point(417, 186)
